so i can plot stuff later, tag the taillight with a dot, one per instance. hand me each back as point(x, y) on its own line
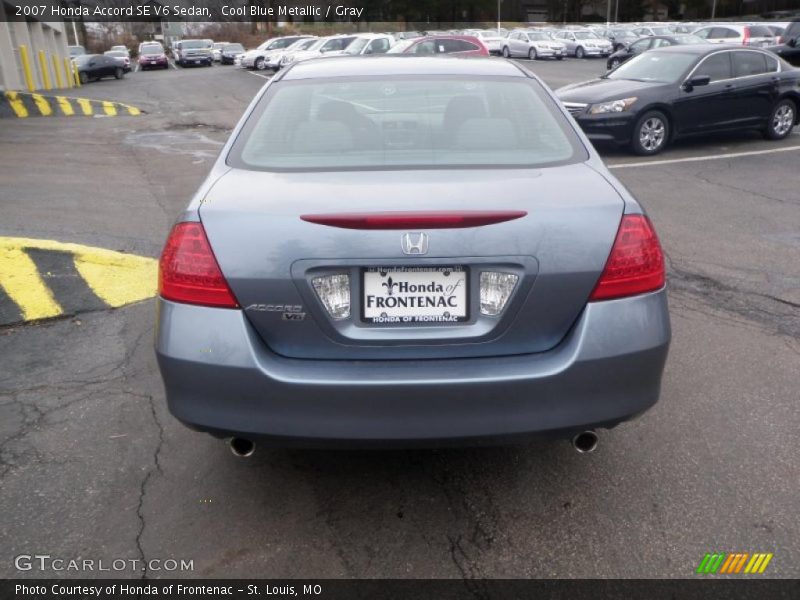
point(746, 40)
point(188, 271)
point(635, 264)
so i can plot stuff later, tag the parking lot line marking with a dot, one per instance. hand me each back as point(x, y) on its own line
point(109, 108)
point(23, 284)
point(132, 110)
point(65, 106)
point(86, 106)
point(17, 105)
point(671, 161)
point(42, 104)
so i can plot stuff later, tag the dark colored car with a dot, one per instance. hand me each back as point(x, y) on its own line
point(649, 43)
point(121, 57)
point(229, 53)
point(457, 45)
point(376, 297)
point(790, 49)
point(687, 90)
point(93, 67)
point(620, 37)
point(153, 57)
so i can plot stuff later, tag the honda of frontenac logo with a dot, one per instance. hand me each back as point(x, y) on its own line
point(389, 284)
point(414, 243)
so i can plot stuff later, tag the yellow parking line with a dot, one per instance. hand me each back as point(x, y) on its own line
point(21, 281)
point(65, 106)
point(86, 106)
point(132, 110)
point(17, 105)
point(42, 104)
point(109, 108)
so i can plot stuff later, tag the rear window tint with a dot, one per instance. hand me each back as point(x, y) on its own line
point(749, 63)
point(405, 122)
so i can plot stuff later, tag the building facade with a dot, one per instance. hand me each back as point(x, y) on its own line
point(49, 37)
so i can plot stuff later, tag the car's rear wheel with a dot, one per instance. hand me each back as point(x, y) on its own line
point(580, 52)
point(84, 78)
point(559, 57)
point(532, 54)
point(781, 120)
point(650, 134)
point(506, 52)
point(118, 73)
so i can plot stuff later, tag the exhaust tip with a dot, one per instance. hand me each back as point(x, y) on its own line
point(585, 442)
point(242, 447)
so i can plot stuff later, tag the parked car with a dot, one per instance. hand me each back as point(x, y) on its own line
point(121, 48)
point(789, 50)
point(407, 311)
point(121, 57)
point(366, 44)
point(581, 44)
point(229, 52)
point(677, 91)
point(256, 59)
point(493, 39)
point(281, 59)
point(457, 45)
point(745, 35)
point(152, 56)
point(653, 30)
point(93, 67)
point(647, 43)
point(532, 45)
point(620, 38)
point(333, 44)
point(76, 51)
point(193, 52)
point(216, 51)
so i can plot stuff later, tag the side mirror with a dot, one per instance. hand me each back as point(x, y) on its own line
point(694, 82)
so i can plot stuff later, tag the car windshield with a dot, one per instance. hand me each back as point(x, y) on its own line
point(410, 122)
point(586, 35)
point(538, 36)
point(357, 46)
point(400, 47)
point(84, 58)
point(152, 50)
point(233, 48)
point(662, 67)
point(661, 30)
point(76, 50)
point(115, 53)
point(194, 44)
point(281, 43)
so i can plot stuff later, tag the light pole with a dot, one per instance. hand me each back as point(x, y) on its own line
point(713, 9)
point(499, 2)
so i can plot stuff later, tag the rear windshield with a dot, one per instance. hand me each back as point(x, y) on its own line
point(405, 122)
point(760, 31)
point(152, 50)
point(192, 44)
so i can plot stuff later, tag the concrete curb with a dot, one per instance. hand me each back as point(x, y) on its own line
point(23, 105)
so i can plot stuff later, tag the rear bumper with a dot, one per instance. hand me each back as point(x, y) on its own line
point(220, 378)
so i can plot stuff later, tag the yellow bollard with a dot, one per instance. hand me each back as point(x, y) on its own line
point(45, 70)
point(68, 73)
point(26, 67)
point(77, 75)
point(57, 71)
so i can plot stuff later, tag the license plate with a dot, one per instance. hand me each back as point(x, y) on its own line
point(197, 62)
point(414, 295)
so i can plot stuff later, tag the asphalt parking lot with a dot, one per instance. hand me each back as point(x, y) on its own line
point(93, 466)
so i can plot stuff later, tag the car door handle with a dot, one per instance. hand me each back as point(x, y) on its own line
point(730, 87)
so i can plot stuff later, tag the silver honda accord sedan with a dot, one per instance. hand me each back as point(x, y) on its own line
point(410, 251)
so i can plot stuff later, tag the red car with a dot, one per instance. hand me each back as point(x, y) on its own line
point(153, 57)
point(431, 45)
